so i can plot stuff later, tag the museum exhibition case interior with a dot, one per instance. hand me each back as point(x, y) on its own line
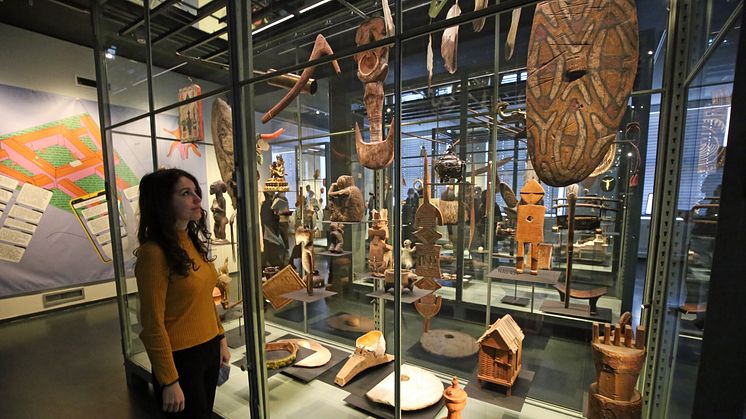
point(434, 208)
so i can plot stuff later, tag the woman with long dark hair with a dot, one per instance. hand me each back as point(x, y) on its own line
point(181, 331)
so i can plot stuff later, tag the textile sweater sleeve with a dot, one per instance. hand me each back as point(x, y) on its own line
point(151, 272)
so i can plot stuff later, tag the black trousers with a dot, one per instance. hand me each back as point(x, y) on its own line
point(198, 369)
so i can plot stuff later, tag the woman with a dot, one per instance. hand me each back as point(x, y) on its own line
point(181, 329)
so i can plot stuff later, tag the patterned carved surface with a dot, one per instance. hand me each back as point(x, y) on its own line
point(582, 62)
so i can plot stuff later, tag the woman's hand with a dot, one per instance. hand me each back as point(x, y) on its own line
point(173, 398)
point(225, 355)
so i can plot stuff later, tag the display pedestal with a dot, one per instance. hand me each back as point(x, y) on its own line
point(407, 297)
point(496, 395)
point(576, 310)
point(509, 274)
point(303, 297)
point(515, 301)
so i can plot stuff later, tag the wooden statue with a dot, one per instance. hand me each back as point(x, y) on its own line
point(346, 201)
point(618, 358)
point(582, 62)
point(530, 228)
point(500, 353)
point(372, 68)
point(218, 188)
point(222, 284)
point(320, 48)
point(455, 400)
point(304, 238)
point(370, 350)
point(335, 237)
point(380, 257)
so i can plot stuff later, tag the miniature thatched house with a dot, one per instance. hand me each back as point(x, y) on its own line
point(500, 349)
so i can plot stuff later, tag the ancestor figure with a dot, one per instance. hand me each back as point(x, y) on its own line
point(218, 188)
point(346, 201)
point(335, 238)
point(530, 228)
point(379, 256)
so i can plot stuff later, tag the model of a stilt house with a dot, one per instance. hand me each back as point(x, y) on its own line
point(500, 351)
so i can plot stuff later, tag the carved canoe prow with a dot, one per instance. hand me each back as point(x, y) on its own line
point(375, 155)
point(370, 350)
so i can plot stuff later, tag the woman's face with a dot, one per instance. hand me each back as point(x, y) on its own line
point(186, 202)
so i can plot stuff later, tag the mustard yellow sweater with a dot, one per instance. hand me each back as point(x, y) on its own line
point(175, 314)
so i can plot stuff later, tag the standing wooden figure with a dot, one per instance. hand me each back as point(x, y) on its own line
point(530, 228)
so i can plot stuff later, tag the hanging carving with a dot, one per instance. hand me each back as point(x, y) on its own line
point(320, 48)
point(372, 68)
point(582, 62)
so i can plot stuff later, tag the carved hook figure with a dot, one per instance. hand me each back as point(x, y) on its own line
point(320, 48)
point(372, 70)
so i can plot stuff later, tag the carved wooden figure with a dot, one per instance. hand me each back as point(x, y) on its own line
point(304, 238)
point(220, 220)
point(455, 399)
point(372, 68)
point(618, 358)
point(500, 353)
point(346, 201)
point(380, 255)
point(335, 237)
point(530, 228)
point(582, 62)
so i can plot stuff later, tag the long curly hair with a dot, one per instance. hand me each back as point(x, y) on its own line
point(157, 218)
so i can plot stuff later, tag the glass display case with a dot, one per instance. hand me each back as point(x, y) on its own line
point(375, 168)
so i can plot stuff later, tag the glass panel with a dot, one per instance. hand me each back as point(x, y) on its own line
point(705, 144)
point(314, 137)
point(709, 18)
point(123, 37)
point(204, 160)
point(190, 49)
point(134, 159)
point(606, 255)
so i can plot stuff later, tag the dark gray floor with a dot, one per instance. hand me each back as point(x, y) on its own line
point(67, 364)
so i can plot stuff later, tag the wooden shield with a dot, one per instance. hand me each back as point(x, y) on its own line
point(582, 61)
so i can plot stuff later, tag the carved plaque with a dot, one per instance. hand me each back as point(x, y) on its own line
point(582, 61)
point(283, 282)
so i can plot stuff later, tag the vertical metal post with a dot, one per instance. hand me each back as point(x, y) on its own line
point(492, 173)
point(107, 150)
point(660, 321)
point(241, 65)
point(396, 168)
point(149, 78)
point(463, 144)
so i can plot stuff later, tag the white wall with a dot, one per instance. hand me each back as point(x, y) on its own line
point(37, 62)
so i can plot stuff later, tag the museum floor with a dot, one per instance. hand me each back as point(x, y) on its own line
point(67, 364)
